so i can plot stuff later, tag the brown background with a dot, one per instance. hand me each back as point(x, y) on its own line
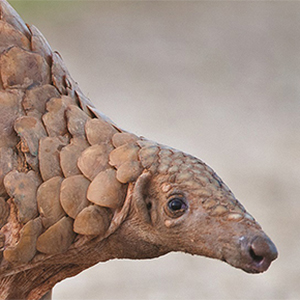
point(219, 80)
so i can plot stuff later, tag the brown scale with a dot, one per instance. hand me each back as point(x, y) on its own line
point(48, 200)
point(73, 194)
point(57, 238)
point(69, 158)
point(94, 160)
point(105, 190)
point(25, 249)
point(34, 102)
point(22, 187)
point(22, 69)
point(93, 221)
point(54, 119)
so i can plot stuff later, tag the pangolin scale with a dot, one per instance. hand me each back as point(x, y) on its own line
point(75, 189)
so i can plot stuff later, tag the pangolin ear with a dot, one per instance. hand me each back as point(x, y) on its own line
point(140, 193)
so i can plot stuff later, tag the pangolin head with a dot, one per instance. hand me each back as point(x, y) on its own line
point(183, 205)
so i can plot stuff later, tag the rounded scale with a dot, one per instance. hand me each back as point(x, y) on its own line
point(105, 190)
point(76, 119)
point(235, 217)
point(129, 171)
point(144, 143)
point(34, 102)
point(49, 159)
point(57, 238)
point(25, 249)
point(127, 152)
point(92, 220)
point(163, 168)
point(164, 153)
point(209, 203)
point(121, 138)
point(70, 154)
point(10, 37)
point(165, 187)
point(219, 210)
point(48, 200)
point(73, 193)
point(94, 160)
point(54, 120)
point(99, 131)
point(184, 176)
point(148, 156)
point(21, 69)
point(22, 188)
point(31, 130)
point(173, 169)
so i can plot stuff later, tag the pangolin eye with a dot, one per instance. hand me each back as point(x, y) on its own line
point(176, 207)
point(176, 204)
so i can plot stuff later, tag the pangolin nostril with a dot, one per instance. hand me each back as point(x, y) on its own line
point(257, 258)
point(261, 248)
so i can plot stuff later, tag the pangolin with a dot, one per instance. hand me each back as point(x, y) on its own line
point(75, 189)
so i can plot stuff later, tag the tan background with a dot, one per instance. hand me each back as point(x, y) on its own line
point(219, 80)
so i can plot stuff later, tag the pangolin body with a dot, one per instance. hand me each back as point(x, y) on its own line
point(65, 169)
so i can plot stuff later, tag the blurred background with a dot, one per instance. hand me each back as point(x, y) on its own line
point(219, 80)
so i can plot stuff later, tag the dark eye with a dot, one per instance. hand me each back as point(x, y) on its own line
point(176, 207)
point(176, 204)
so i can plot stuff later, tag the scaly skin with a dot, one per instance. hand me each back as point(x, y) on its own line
point(75, 189)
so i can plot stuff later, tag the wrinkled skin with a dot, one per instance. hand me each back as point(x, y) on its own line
point(76, 190)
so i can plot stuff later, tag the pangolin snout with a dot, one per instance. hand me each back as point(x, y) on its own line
point(259, 252)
